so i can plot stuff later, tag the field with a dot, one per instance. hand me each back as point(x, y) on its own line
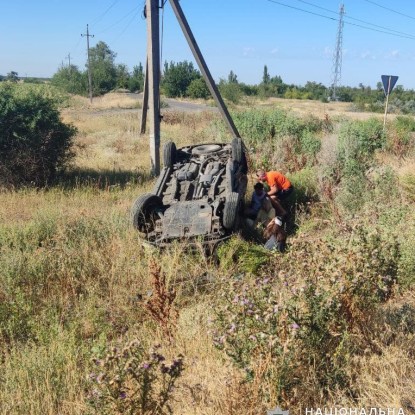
point(93, 322)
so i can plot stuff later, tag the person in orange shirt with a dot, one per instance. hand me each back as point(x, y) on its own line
point(280, 188)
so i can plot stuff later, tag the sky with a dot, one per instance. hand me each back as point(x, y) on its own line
point(296, 39)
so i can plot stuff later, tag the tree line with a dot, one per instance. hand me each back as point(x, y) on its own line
point(182, 79)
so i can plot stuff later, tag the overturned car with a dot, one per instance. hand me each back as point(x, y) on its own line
point(198, 196)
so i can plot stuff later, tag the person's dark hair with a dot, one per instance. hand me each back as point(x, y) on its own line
point(275, 229)
point(259, 186)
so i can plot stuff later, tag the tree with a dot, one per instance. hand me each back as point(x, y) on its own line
point(198, 89)
point(34, 143)
point(316, 90)
point(104, 73)
point(123, 76)
point(71, 80)
point(12, 76)
point(266, 77)
point(136, 81)
point(177, 77)
point(230, 90)
point(232, 78)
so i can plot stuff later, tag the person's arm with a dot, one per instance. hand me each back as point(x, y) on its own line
point(273, 190)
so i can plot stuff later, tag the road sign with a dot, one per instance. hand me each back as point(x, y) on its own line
point(389, 81)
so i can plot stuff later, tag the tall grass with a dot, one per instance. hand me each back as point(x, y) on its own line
point(76, 281)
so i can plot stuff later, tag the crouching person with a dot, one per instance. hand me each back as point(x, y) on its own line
point(260, 209)
point(275, 235)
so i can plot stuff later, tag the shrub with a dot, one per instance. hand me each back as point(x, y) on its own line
point(198, 89)
point(400, 137)
point(231, 91)
point(291, 142)
point(298, 325)
point(131, 380)
point(34, 143)
point(358, 140)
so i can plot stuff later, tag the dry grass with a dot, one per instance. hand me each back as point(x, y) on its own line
point(334, 110)
point(96, 275)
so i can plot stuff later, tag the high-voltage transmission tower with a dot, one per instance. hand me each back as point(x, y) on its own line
point(337, 57)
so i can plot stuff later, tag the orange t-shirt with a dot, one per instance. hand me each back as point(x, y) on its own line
point(275, 178)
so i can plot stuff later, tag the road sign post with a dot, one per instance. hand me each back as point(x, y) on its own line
point(388, 81)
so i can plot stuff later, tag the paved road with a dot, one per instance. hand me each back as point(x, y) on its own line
point(176, 105)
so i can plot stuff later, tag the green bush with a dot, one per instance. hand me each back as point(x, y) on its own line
point(400, 136)
point(34, 143)
point(198, 89)
point(358, 140)
point(298, 325)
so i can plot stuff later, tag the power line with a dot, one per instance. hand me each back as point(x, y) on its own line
point(128, 24)
point(349, 23)
point(99, 18)
point(119, 21)
point(297, 8)
point(391, 10)
point(354, 18)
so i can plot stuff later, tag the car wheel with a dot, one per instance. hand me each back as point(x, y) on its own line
point(230, 211)
point(238, 154)
point(205, 149)
point(169, 154)
point(237, 150)
point(143, 212)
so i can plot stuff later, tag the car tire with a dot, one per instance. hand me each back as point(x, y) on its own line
point(143, 211)
point(238, 155)
point(230, 211)
point(237, 150)
point(169, 154)
point(204, 149)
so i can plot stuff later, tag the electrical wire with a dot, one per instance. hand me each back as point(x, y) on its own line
point(357, 20)
point(349, 23)
point(297, 8)
point(99, 18)
point(391, 10)
point(128, 24)
point(120, 20)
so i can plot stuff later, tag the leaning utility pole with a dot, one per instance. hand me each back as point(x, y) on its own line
point(143, 123)
point(153, 79)
point(337, 58)
point(89, 62)
point(203, 67)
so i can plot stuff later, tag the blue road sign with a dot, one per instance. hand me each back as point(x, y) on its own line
point(389, 81)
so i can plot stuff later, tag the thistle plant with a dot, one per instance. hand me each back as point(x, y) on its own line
point(130, 380)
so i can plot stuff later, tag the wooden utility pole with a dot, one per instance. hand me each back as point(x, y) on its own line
point(153, 77)
point(203, 67)
point(89, 62)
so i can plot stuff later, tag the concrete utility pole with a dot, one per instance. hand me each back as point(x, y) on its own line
point(203, 67)
point(145, 102)
point(89, 62)
point(153, 77)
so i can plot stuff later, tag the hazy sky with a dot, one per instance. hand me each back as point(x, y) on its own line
point(36, 37)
